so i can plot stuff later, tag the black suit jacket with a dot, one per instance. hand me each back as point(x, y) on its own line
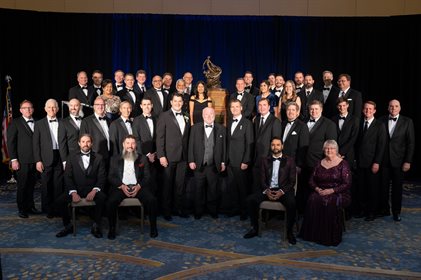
point(76, 177)
point(355, 102)
point(77, 92)
point(254, 91)
point(330, 107)
point(197, 145)
point(306, 100)
point(145, 138)
point(347, 136)
point(247, 102)
point(97, 91)
point(240, 143)
point(371, 144)
point(138, 90)
point(296, 142)
point(324, 129)
point(262, 136)
point(19, 141)
point(92, 126)
point(157, 107)
point(125, 96)
point(68, 138)
point(42, 142)
point(118, 131)
point(400, 147)
point(115, 175)
point(286, 175)
point(170, 143)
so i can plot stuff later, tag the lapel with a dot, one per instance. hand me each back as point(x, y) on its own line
point(27, 128)
point(316, 125)
point(145, 122)
point(158, 101)
point(123, 125)
point(266, 124)
point(239, 126)
point(291, 129)
point(176, 123)
point(201, 135)
point(98, 125)
point(47, 130)
point(91, 163)
point(121, 168)
point(85, 97)
point(72, 122)
point(397, 126)
point(80, 162)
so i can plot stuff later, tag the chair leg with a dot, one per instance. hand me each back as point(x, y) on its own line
point(74, 220)
point(260, 222)
point(142, 219)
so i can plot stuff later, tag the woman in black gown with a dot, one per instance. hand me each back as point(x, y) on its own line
point(289, 95)
point(198, 102)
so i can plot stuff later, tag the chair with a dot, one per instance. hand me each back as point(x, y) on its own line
point(129, 202)
point(82, 203)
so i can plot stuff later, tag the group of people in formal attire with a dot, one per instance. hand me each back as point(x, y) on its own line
point(319, 153)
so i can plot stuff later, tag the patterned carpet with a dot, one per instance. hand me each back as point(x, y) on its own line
point(207, 249)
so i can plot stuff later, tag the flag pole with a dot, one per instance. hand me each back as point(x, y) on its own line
point(8, 108)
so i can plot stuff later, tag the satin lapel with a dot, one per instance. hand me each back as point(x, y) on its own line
point(397, 127)
point(85, 97)
point(237, 128)
point(158, 101)
point(80, 162)
point(266, 124)
point(71, 121)
point(270, 169)
point(123, 125)
point(316, 125)
point(145, 122)
point(176, 122)
point(121, 168)
point(27, 128)
point(98, 125)
point(291, 129)
point(47, 130)
point(91, 163)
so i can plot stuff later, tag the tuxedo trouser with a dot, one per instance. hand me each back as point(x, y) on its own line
point(26, 177)
point(52, 183)
point(368, 192)
point(303, 190)
point(239, 189)
point(395, 176)
point(173, 190)
point(206, 190)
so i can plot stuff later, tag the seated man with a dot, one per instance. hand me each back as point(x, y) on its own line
point(126, 178)
point(278, 179)
point(84, 176)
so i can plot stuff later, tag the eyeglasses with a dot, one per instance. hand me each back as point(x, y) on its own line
point(26, 108)
point(101, 105)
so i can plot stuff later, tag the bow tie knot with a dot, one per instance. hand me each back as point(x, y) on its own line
point(28, 121)
point(276, 159)
point(148, 117)
point(326, 88)
point(78, 118)
point(178, 114)
point(87, 154)
point(102, 118)
point(235, 120)
point(128, 121)
point(342, 118)
point(312, 120)
point(393, 119)
point(84, 88)
point(290, 122)
point(208, 126)
point(54, 120)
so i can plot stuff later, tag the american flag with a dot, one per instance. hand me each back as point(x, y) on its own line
point(7, 118)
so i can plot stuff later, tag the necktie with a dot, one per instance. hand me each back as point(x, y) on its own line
point(311, 120)
point(53, 120)
point(393, 119)
point(208, 126)
point(30, 121)
point(365, 126)
point(275, 159)
point(102, 118)
point(342, 118)
point(262, 121)
point(341, 94)
point(235, 120)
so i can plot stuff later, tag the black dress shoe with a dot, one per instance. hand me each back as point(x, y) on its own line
point(96, 231)
point(154, 232)
point(65, 231)
point(369, 218)
point(34, 210)
point(291, 239)
point(250, 234)
point(111, 233)
point(168, 218)
point(397, 217)
point(197, 216)
point(23, 214)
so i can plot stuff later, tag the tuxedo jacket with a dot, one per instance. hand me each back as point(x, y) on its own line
point(42, 142)
point(68, 138)
point(19, 141)
point(92, 126)
point(139, 91)
point(145, 137)
point(97, 91)
point(262, 136)
point(306, 100)
point(197, 145)
point(254, 91)
point(77, 92)
point(118, 131)
point(115, 175)
point(170, 143)
point(355, 102)
point(330, 106)
point(247, 102)
point(371, 144)
point(347, 136)
point(286, 174)
point(120, 87)
point(157, 107)
point(401, 145)
point(240, 143)
point(324, 129)
point(296, 142)
point(125, 96)
point(76, 177)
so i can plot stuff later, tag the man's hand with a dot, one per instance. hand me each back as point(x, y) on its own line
point(125, 190)
point(269, 194)
point(163, 161)
point(39, 166)
point(222, 167)
point(135, 190)
point(151, 157)
point(406, 166)
point(75, 197)
point(192, 165)
point(15, 165)
point(243, 166)
point(375, 168)
point(91, 195)
point(277, 194)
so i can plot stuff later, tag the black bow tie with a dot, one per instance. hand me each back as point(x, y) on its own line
point(88, 154)
point(326, 88)
point(128, 121)
point(102, 118)
point(290, 122)
point(235, 120)
point(55, 120)
point(248, 87)
point(342, 118)
point(311, 120)
point(78, 118)
point(28, 121)
point(148, 117)
point(178, 114)
point(84, 87)
point(208, 126)
point(275, 159)
point(240, 93)
point(393, 119)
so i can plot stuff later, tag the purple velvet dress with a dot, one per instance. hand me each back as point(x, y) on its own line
point(322, 218)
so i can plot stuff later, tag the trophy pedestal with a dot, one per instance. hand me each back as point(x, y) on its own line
point(219, 101)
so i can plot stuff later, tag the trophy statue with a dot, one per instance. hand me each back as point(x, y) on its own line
point(218, 94)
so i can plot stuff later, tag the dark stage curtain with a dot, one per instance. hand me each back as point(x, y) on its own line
point(44, 51)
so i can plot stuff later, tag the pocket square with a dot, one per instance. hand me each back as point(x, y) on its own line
point(294, 133)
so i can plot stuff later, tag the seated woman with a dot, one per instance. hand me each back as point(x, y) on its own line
point(331, 183)
point(112, 102)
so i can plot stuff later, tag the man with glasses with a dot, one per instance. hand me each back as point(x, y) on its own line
point(158, 96)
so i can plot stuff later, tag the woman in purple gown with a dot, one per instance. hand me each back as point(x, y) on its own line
point(331, 183)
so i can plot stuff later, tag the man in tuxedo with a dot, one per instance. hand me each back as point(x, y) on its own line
point(144, 129)
point(397, 160)
point(248, 79)
point(320, 129)
point(279, 86)
point(278, 175)
point(167, 85)
point(140, 86)
point(82, 92)
point(307, 95)
point(127, 179)
point(295, 136)
point(266, 126)
point(330, 95)
point(19, 145)
point(97, 125)
point(129, 94)
point(206, 157)
point(97, 77)
point(299, 81)
point(158, 96)
point(118, 78)
point(370, 148)
point(246, 99)
point(47, 157)
point(240, 141)
point(84, 177)
point(172, 134)
point(188, 80)
point(354, 97)
point(120, 128)
point(68, 131)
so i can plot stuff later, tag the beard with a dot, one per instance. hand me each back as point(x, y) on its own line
point(132, 156)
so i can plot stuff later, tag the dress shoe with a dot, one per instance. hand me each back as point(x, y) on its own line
point(369, 218)
point(23, 214)
point(397, 217)
point(197, 216)
point(214, 216)
point(96, 231)
point(291, 239)
point(67, 230)
point(250, 234)
point(243, 217)
point(50, 216)
point(168, 218)
point(111, 233)
point(154, 232)
point(34, 210)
